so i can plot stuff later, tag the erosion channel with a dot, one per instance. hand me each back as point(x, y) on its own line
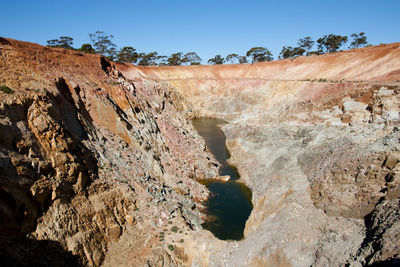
point(229, 204)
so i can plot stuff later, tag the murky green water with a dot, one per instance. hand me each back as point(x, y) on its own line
point(229, 204)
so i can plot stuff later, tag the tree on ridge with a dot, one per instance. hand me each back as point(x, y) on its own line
point(149, 59)
point(218, 59)
point(63, 42)
point(359, 40)
point(331, 43)
point(231, 58)
point(193, 58)
point(87, 48)
point(306, 43)
point(291, 52)
point(128, 54)
point(235, 58)
point(103, 45)
point(176, 59)
point(259, 54)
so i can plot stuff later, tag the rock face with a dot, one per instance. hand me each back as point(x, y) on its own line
point(88, 158)
point(99, 161)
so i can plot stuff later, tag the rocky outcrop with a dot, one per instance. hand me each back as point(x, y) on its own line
point(381, 245)
point(99, 161)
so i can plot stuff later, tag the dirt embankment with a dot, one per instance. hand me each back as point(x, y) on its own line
point(378, 63)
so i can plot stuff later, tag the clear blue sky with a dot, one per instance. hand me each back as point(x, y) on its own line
point(208, 27)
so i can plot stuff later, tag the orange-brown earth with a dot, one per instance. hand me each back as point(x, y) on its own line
point(99, 159)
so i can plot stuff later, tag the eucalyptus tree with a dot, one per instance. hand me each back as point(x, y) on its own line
point(62, 42)
point(176, 59)
point(331, 43)
point(291, 52)
point(305, 43)
point(218, 59)
point(150, 59)
point(128, 54)
point(359, 40)
point(103, 45)
point(242, 59)
point(162, 60)
point(259, 54)
point(232, 58)
point(192, 58)
point(87, 48)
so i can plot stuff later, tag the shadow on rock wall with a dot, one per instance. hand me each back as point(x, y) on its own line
point(28, 252)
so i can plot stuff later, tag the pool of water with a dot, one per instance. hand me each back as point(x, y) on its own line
point(229, 204)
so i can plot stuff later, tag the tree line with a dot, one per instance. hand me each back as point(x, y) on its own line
point(101, 43)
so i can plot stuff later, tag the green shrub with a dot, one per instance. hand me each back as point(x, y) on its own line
point(174, 229)
point(171, 247)
point(6, 89)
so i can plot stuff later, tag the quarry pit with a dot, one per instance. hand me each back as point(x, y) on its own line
point(101, 166)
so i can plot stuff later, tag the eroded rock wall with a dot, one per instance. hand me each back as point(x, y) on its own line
point(92, 163)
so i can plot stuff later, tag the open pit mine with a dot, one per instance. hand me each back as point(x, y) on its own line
point(101, 165)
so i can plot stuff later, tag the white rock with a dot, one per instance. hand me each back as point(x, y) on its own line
point(336, 110)
point(354, 106)
point(391, 115)
point(385, 92)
